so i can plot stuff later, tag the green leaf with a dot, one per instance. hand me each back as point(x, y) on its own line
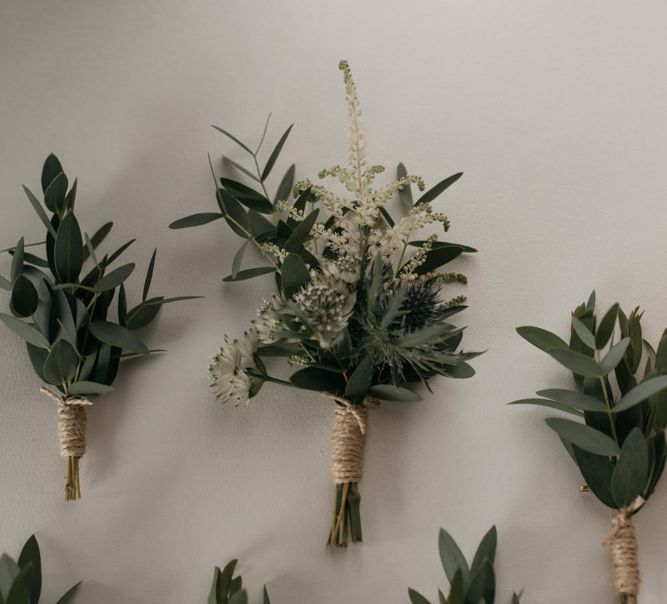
point(301, 232)
point(249, 273)
point(108, 261)
point(89, 388)
point(452, 558)
point(458, 590)
point(438, 257)
point(360, 380)
point(247, 196)
point(19, 592)
point(443, 185)
point(61, 364)
point(275, 153)
point(25, 331)
point(68, 595)
point(606, 327)
point(149, 276)
point(596, 470)
point(71, 196)
point(17, 260)
point(238, 259)
point(541, 338)
point(195, 220)
point(213, 594)
point(5, 284)
point(236, 217)
point(388, 392)
point(240, 597)
point(641, 392)
point(615, 355)
point(583, 436)
point(631, 472)
point(266, 596)
point(482, 584)
point(24, 299)
point(542, 402)
point(68, 249)
point(115, 335)
point(585, 335)
point(114, 278)
point(143, 314)
point(232, 137)
point(438, 244)
point(294, 274)
point(30, 555)
point(486, 549)
point(240, 168)
point(9, 570)
point(285, 186)
point(321, 380)
point(577, 362)
point(404, 194)
point(39, 210)
point(54, 196)
point(574, 399)
point(52, 167)
point(416, 597)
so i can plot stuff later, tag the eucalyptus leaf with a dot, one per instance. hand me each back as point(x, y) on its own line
point(541, 338)
point(25, 331)
point(115, 335)
point(641, 392)
point(388, 392)
point(114, 278)
point(275, 153)
point(442, 186)
point(583, 436)
point(68, 250)
point(606, 327)
point(250, 273)
point(195, 220)
point(61, 364)
point(631, 472)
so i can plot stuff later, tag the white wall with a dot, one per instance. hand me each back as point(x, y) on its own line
point(556, 113)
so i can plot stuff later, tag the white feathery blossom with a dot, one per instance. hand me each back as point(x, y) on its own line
point(227, 371)
point(267, 325)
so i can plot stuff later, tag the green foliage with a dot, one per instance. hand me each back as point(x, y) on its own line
point(61, 305)
point(357, 319)
point(21, 581)
point(473, 583)
point(621, 398)
point(228, 588)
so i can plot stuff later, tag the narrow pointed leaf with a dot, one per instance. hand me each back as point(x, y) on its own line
point(115, 277)
point(541, 338)
point(115, 335)
point(149, 276)
point(39, 210)
point(236, 140)
point(641, 392)
point(442, 186)
point(285, 187)
point(25, 331)
point(275, 153)
point(68, 250)
point(195, 220)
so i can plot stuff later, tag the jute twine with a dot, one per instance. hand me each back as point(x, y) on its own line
point(348, 437)
point(624, 549)
point(71, 412)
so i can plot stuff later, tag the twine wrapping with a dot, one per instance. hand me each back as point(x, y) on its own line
point(71, 413)
point(348, 437)
point(624, 550)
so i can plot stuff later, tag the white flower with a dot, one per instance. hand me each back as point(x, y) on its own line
point(227, 370)
point(267, 324)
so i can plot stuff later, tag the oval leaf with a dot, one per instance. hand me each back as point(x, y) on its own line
point(115, 335)
point(583, 436)
point(68, 250)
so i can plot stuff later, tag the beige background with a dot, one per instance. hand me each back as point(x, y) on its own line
point(556, 113)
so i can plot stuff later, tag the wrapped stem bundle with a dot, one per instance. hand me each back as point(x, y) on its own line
point(360, 309)
point(62, 311)
point(618, 442)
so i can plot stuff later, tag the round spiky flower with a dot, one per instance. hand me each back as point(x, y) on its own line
point(322, 311)
point(421, 306)
point(227, 370)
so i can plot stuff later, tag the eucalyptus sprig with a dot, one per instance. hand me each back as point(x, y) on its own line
point(227, 588)
point(361, 311)
point(619, 406)
point(61, 306)
point(21, 580)
point(473, 583)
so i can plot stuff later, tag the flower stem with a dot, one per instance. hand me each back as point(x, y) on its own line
point(73, 485)
point(347, 517)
